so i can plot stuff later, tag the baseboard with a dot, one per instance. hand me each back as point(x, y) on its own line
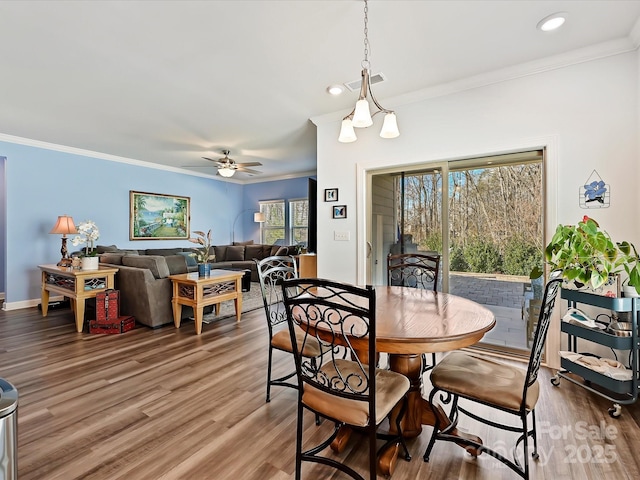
point(34, 302)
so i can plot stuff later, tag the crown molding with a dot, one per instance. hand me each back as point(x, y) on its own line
point(554, 62)
point(140, 163)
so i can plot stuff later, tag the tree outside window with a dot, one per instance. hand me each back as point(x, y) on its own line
point(282, 227)
point(272, 230)
point(299, 221)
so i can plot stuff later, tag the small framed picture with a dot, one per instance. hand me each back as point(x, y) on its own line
point(330, 194)
point(340, 211)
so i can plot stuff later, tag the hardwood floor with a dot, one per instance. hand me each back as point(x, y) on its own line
point(167, 404)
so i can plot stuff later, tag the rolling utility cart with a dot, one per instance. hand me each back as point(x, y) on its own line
point(621, 392)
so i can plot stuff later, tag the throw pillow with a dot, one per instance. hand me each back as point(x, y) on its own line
point(235, 253)
point(220, 253)
point(248, 242)
point(253, 251)
point(155, 263)
point(191, 260)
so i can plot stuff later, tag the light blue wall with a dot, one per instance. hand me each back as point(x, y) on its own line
point(275, 190)
point(3, 204)
point(40, 184)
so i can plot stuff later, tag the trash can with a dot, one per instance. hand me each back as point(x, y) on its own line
point(8, 431)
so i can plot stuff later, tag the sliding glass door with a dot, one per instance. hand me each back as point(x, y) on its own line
point(491, 221)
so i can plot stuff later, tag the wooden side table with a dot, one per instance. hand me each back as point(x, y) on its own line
point(78, 285)
point(198, 292)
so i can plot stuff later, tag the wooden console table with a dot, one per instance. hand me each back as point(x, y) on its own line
point(77, 285)
point(198, 292)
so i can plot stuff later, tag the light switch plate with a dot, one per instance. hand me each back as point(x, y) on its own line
point(341, 236)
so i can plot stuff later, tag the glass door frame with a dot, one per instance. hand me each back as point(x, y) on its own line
point(364, 173)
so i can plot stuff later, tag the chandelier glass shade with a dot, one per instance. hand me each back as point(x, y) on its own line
point(360, 116)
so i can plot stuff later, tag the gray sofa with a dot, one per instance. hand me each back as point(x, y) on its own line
point(240, 255)
point(142, 278)
point(144, 286)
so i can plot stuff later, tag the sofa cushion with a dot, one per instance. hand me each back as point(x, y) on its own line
point(274, 250)
point(235, 252)
point(155, 263)
point(191, 260)
point(176, 264)
point(114, 258)
point(220, 253)
point(254, 251)
point(106, 248)
point(248, 242)
point(163, 251)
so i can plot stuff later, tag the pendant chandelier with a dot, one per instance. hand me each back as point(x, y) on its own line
point(360, 116)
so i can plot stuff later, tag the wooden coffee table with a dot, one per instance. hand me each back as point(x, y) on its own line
point(76, 284)
point(198, 292)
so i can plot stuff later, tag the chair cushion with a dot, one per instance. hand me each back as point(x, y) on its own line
point(282, 341)
point(484, 380)
point(390, 388)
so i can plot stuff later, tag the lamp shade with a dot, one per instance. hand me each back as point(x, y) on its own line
point(347, 134)
point(226, 172)
point(258, 217)
point(362, 115)
point(64, 225)
point(390, 126)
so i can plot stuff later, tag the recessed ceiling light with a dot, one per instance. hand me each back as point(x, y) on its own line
point(552, 22)
point(335, 89)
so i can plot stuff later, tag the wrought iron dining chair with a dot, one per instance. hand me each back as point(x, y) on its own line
point(504, 387)
point(344, 385)
point(271, 272)
point(415, 270)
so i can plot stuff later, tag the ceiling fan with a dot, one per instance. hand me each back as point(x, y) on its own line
point(227, 166)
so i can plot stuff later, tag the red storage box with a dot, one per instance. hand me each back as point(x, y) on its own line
point(108, 306)
point(121, 325)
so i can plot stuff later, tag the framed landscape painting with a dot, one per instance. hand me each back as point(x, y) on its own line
point(155, 216)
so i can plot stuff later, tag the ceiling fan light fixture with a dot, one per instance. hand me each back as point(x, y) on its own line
point(226, 171)
point(360, 116)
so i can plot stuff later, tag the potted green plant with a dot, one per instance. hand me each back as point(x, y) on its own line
point(203, 253)
point(588, 256)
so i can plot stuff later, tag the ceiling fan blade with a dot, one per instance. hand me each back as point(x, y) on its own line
point(249, 164)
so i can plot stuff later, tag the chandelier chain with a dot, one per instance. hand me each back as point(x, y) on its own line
point(365, 62)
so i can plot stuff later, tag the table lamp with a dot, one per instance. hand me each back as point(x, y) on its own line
point(63, 226)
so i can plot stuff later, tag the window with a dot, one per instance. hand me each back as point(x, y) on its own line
point(299, 221)
point(272, 230)
point(284, 226)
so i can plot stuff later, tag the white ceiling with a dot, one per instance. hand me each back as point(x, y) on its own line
point(169, 82)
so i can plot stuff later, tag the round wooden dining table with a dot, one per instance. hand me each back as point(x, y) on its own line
point(410, 322)
point(413, 321)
